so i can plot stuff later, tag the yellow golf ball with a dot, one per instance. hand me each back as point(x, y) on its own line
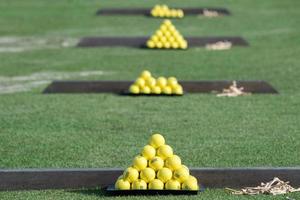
point(121, 184)
point(134, 89)
point(140, 82)
point(154, 38)
point(172, 81)
point(172, 185)
point(156, 184)
point(156, 163)
point(156, 90)
point(173, 162)
point(165, 151)
point(159, 33)
point(130, 174)
point(189, 184)
point(181, 174)
point(140, 163)
point(150, 44)
point(167, 90)
point(164, 174)
point(150, 81)
point(180, 13)
point(167, 45)
point(145, 90)
point(193, 179)
point(157, 140)
point(147, 174)
point(167, 22)
point(145, 74)
point(177, 89)
point(139, 185)
point(161, 82)
point(174, 45)
point(184, 166)
point(159, 45)
point(148, 152)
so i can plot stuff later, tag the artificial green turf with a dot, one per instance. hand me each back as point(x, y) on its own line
point(105, 130)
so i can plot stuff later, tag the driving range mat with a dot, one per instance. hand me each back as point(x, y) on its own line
point(146, 11)
point(140, 42)
point(112, 191)
point(121, 87)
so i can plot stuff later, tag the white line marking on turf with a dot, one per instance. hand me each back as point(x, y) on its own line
point(26, 83)
point(20, 44)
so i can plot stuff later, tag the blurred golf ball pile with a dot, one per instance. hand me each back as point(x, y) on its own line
point(165, 11)
point(147, 84)
point(157, 168)
point(167, 37)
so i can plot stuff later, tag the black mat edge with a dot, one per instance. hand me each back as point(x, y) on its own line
point(121, 87)
point(146, 11)
point(31, 179)
point(110, 190)
point(139, 42)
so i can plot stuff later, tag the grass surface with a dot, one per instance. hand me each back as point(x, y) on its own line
point(105, 130)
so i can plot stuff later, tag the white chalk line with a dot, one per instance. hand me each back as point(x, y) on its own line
point(26, 83)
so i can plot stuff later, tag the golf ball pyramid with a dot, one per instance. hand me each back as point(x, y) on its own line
point(147, 84)
point(164, 11)
point(157, 168)
point(167, 37)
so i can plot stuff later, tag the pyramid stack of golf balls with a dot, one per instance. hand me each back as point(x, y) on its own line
point(157, 168)
point(167, 37)
point(147, 84)
point(165, 12)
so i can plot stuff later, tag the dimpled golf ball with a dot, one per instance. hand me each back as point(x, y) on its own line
point(140, 163)
point(189, 184)
point(156, 184)
point(121, 184)
point(156, 163)
point(165, 151)
point(173, 162)
point(130, 174)
point(164, 174)
point(134, 89)
point(172, 185)
point(181, 174)
point(147, 174)
point(148, 152)
point(157, 140)
point(139, 185)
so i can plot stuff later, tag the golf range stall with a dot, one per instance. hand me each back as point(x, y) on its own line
point(148, 11)
point(166, 37)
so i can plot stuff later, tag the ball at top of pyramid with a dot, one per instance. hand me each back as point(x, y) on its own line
point(157, 140)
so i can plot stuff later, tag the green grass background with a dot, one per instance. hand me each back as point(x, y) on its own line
point(106, 130)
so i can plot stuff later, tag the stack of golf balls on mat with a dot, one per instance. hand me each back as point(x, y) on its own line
point(165, 11)
point(146, 84)
point(157, 168)
point(167, 37)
